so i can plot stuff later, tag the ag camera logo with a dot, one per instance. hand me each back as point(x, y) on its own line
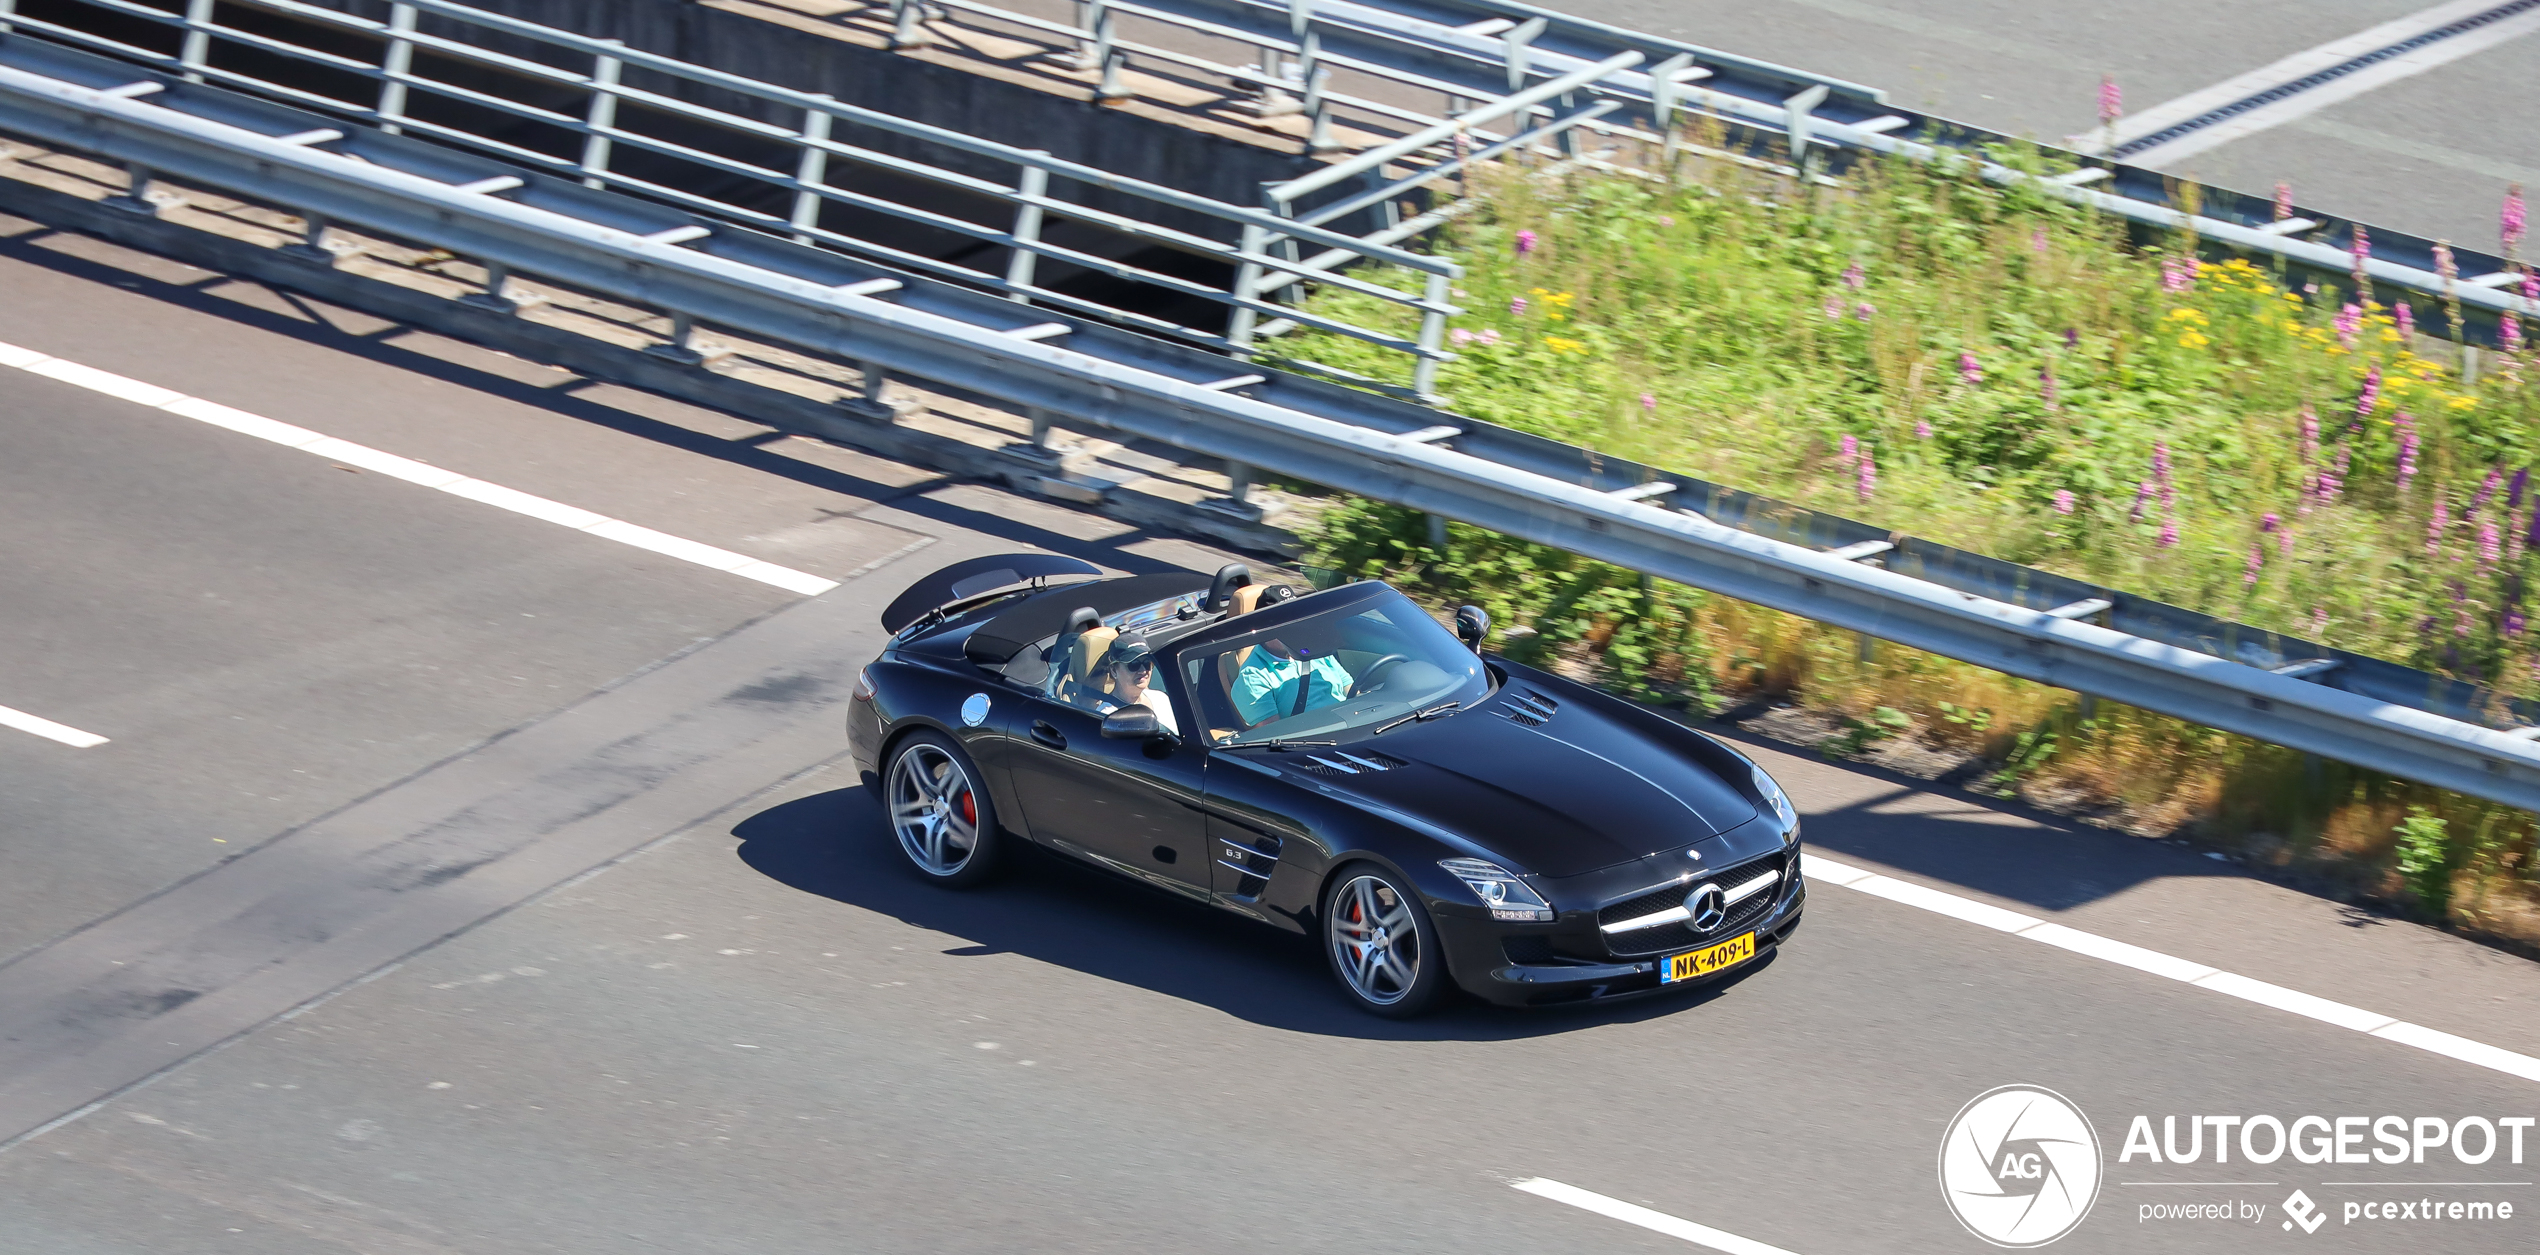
point(2020, 1166)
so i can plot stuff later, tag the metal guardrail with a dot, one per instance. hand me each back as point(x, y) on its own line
point(758, 284)
point(1461, 51)
point(806, 168)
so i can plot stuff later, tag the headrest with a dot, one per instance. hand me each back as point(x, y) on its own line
point(1246, 598)
point(1088, 652)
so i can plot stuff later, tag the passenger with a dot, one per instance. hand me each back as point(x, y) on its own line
point(1277, 681)
point(1132, 667)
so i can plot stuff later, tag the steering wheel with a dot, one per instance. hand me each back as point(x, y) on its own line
point(1375, 672)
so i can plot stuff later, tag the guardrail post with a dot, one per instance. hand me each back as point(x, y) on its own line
point(497, 277)
point(1802, 109)
point(1662, 106)
point(8, 9)
point(1319, 138)
point(872, 401)
point(312, 245)
point(1032, 184)
point(136, 194)
point(1424, 368)
point(395, 63)
point(676, 348)
point(197, 48)
point(906, 30)
point(1109, 57)
point(603, 115)
point(1247, 276)
point(811, 171)
point(1520, 43)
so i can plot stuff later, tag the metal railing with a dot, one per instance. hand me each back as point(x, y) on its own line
point(1459, 51)
point(765, 285)
point(581, 96)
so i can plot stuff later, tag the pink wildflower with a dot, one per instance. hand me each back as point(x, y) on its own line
point(2350, 319)
point(2362, 254)
point(1460, 336)
point(1869, 480)
point(2509, 333)
point(2442, 518)
point(2509, 220)
point(2161, 461)
point(2037, 240)
point(2169, 533)
point(1863, 311)
point(2257, 559)
point(1834, 305)
point(1517, 306)
point(1852, 276)
point(2531, 285)
point(2310, 434)
point(2319, 619)
point(1666, 220)
point(1970, 371)
point(2283, 201)
point(1648, 402)
point(2515, 622)
point(2284, 544)
point(2063, 501)
point(2371, 395)
point(2406, 315)
point(1526, 242)
point(2142, 494)
point(2407, 458)
point(2178, 276)
point(1490, 335)
point(1851, 449)
point(2111, 100)
point(2444, 264)
point(2491, 545)
point(1922, 429)
point(2269, 521)
point(2486, 489)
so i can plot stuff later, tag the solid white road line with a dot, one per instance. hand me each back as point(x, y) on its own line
point(2302, 64)
point(1654, 1221)
point(2389, 1028)
point(48, 729)
point(424, 473)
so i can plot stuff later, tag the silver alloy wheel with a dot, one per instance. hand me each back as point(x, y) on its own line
point(933, 810)
point(1375, 941)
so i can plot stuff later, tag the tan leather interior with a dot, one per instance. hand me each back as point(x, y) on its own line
point(1083, 678)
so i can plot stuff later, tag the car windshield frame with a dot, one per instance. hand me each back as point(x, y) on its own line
point(1205, 689)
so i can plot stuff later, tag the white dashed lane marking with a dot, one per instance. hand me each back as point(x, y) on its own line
point(1654, 1221)
point(48, 729)
point(423, 473)
point(2388, 1028)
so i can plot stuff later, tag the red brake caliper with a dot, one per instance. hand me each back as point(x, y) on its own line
point(969, 809)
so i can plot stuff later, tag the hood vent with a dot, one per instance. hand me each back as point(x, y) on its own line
point(1528, 707)
point(1352, 762)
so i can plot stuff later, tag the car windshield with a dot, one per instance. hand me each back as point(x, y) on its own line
point(1357, 666)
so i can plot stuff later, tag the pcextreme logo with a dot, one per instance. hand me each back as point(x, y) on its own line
point(2020, 1166)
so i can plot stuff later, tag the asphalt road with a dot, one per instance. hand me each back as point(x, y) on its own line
point(754, 1032)
point(2430, 154)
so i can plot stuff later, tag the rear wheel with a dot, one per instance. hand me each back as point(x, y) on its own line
point(942, 817)
point(1381, 943)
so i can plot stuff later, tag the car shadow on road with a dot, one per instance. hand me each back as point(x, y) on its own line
point(1053, 909)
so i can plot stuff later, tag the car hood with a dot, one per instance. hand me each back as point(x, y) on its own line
point(1556, 796)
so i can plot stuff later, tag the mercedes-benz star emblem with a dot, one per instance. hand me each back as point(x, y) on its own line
point(1707, 908)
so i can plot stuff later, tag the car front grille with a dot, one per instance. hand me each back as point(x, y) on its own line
point(1680, 934)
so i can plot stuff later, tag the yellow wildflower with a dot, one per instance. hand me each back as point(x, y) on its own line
point(1560, 345)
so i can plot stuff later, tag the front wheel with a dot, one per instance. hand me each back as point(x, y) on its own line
point(942, 817)
point(1381, 943)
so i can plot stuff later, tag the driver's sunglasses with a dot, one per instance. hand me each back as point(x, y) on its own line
point(1138, 668)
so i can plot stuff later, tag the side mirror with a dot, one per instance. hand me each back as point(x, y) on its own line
point(1131, 723)
point(1472, 623)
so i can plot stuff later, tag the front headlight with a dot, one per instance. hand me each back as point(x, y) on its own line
point(1780, 804)
point(1499, 889)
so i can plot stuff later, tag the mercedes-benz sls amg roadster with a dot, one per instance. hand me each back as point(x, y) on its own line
point(1335, 763)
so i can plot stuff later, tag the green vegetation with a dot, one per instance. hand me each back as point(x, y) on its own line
point(2006, 373)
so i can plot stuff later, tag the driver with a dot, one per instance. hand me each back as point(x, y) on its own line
point(1277, 681)
point(1132, 670)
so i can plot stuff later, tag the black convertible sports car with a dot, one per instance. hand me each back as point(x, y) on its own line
point(1335, 763)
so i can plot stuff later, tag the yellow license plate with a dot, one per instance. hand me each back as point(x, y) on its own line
point(1708, 959)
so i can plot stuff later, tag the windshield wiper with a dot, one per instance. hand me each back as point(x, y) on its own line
point(1283, 743)
point(1419, 716)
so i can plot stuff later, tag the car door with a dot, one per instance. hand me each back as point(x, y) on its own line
point(1134, 806)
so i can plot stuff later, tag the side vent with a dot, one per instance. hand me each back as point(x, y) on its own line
point(1251, 863)
point(1528, 707)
